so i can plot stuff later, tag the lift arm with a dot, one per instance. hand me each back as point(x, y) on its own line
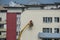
point(30, 24)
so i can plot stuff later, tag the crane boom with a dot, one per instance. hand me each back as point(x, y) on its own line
point(30, 24)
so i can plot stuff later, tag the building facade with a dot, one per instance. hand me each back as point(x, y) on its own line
point(2, 23)
point(14, 12)
point(9, 20)
point(46, 24)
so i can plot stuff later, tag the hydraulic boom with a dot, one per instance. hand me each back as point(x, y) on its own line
point(30, 24)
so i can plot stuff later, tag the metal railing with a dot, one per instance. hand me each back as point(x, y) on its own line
point(2, 22)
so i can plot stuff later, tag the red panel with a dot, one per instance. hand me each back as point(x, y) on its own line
point(11, 26)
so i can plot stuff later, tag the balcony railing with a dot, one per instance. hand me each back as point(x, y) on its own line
point(2, 29)
point(2, 22)
point(3, 36)
point(49, 35)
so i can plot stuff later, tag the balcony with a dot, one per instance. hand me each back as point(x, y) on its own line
point(2, 22)
point(2, 29)
point(49, 35)
point(3, 36)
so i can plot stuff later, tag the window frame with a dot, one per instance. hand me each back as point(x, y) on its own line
point(56, 30)
point(47, 31)
point(56, 19)
point(47, 19)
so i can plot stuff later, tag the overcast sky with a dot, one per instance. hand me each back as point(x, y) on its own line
point(29, 1)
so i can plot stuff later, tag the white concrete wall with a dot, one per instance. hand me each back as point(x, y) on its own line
point(14, 10)
point(37, 17)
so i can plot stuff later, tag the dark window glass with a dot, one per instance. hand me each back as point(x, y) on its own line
point(16, 33)
point(47, 39)
point(2, 38)
point(1, 26)
point(56, 19)
point(56, 30)
point(0, 19)
point(0, 33)
point(3, 10)
point(47, 19)
point(56, 39)
point(5, 39)
point(47, 30)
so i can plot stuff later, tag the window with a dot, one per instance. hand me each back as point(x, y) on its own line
point(3, 10)
point(0, 19)
point(56, 39)
point(56, 30)
point(18, 19)
point(47, 19)
point(18, 26)
point(47, 39)
point(2, 38)
point(16, 33)
point(0, 33)
point(56, 19)
point(47, 30)
point(1, 26)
